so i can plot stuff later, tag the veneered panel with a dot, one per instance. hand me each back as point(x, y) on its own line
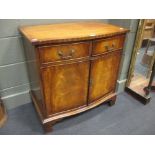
point(109, 44)
point(63, 52)
point(65, 86)
point(104, 72)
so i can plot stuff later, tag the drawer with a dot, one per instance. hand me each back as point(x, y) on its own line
point(63, 52)
point(109, 44)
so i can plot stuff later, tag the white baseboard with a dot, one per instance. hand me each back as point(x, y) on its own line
point(15, 100)
point(120, 85)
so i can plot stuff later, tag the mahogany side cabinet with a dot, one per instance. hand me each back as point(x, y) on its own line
point(73, 67)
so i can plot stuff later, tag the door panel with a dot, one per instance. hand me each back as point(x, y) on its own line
point(65, 86)
point(103, 75)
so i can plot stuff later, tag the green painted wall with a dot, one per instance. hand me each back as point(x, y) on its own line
point(14, 83)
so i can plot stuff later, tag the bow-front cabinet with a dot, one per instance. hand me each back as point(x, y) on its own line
point(73, 67)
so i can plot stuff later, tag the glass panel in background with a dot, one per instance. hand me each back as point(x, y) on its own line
point(144, 60)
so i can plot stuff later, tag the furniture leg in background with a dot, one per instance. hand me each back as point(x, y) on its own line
point(151, 86)
point(3, 115)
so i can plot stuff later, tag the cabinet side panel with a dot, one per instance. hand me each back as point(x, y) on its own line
point(33, 70)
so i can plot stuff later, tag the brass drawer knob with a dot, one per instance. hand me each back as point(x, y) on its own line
point(63, 56)
point(60, 53)
point(108, 48)
point(72, 52)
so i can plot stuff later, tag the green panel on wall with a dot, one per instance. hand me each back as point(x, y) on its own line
point(13, 75)
point(11, 50)
point(8, 27)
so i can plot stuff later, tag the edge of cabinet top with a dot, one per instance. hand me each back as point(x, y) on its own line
point(55, 33)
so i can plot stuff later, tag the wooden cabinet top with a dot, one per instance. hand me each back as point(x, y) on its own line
point(56, 33)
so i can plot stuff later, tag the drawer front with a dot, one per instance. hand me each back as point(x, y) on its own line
point(109, 44)
point(63, 52)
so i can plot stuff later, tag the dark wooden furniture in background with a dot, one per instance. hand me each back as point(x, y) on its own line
point(151, 84)
point(149, 29)
point(3, 115)
point(76, 65)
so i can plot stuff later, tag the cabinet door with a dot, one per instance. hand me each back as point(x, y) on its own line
point(103, 75)
point(65, 86)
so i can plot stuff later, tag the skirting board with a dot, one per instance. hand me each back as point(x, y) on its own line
point(120, 85)
point(16, 100)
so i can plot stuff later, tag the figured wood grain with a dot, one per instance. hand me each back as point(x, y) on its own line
point(106, 45)
point(108, 97)
point(54, 33)
point(51, 53)
point(58, 116)
point(65, 86)
point(3, 115)
point(33, 61)
point(103, 75)
point(70, 84)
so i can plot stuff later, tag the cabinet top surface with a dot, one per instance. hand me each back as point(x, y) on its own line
point(55, 33)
